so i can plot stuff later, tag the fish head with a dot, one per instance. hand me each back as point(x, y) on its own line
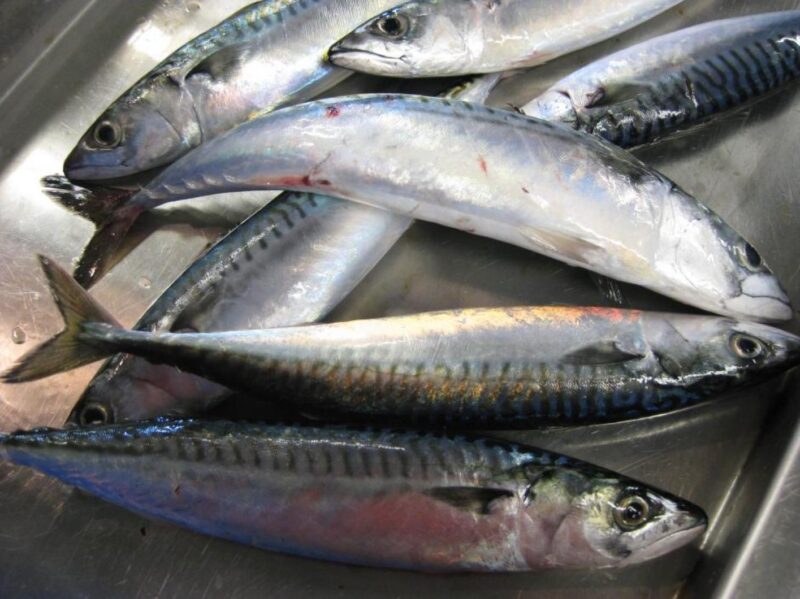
point(138, 133)
point(713, 354)
point(419, 38)
point(701, 260)
point(555, 106)
point(614, 522)
point(131, 389)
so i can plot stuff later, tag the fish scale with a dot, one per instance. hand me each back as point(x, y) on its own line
point(705, 70)
point(350, 239)
point(371, 497)
point(439, 38)
point(532, 358)
point(531, 183)
point(269, 54)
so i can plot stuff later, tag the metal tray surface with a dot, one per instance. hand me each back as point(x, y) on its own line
point(63, 61)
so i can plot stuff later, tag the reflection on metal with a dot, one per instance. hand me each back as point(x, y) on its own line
point(739, 457)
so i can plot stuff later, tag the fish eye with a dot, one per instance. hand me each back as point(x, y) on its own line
point(631, 512)
point(94, 414)
point(393, 26)
point(750, 258)
point(746, 347)
point(107, 134)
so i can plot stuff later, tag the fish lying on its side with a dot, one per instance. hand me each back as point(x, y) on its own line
point(391, 499)
point(265, 274)
point(439, 38)
point(509, 367)
point(269, 54)
point(498, 174)
point(670, 83)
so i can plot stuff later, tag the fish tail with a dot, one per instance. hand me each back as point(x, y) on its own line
point(81, 342)
point(98, 204)
point(110, 211)
point(99, 254)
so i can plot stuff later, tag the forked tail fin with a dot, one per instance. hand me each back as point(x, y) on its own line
point(108, 209)
point(69, 349)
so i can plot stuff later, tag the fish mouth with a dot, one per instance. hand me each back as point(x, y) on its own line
point(677, 539)
point(343, 56)
point(761, 308)
point(96, 167)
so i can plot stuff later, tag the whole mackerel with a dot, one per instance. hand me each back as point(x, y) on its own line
point(289, 264)
point(439, 38)
point(501, 175)
point(675, 81)
point(390, 499)
point(487, 368)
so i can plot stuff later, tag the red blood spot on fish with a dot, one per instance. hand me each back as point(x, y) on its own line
point(525, 189)
point(333, 112)
point(324, 183)
point(286, 182)
point(484, 166)
point(177, 491)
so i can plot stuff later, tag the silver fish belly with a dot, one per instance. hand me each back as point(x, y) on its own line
point(391, 499)
point(512, 367)
point(434, 38)
point(500, 175)
point(289, 264)
point(671, 83)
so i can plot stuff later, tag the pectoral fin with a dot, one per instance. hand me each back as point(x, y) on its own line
point(616, 93)
point(603, 352)
point(469, 499)
point(219, 63)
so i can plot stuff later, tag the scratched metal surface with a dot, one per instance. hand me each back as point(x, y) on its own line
point(63, 61)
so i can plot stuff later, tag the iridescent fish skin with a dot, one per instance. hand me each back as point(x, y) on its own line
point(501, 175)
point(389, 499)
point(478, 368)
point(438, 38)
point(265, 274)
point(267, 55)
point(671, 83)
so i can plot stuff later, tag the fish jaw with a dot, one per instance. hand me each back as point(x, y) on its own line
point(135, 137)
point(770, 304)
point(159, 389)
point(700, 260)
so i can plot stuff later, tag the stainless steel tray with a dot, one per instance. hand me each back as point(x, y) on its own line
point(62, 62)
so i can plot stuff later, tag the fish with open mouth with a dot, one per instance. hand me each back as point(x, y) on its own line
point(524, 181)
point(674, 82)
point(478, 368)
point(376, 498)
point(440, 38)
